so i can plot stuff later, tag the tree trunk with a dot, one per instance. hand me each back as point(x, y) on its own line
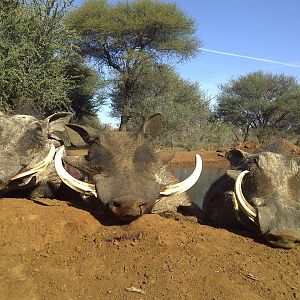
point(125, 112)
point(246, 134)
point(123, 123)
point(236, 135)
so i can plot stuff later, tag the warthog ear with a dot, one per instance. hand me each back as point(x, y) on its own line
point(60, 117)
point(56, 126)
point(152, 126)
point(236, 157)
point(80, 136)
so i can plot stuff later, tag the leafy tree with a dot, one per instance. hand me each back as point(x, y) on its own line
point(34, 51)
point(84, 93)
point(128, 38)
point(261, 102)
point(154, 85)
point(184, 105)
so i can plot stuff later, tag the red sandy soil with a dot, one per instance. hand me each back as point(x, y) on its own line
point(51, 250)
point(211, 159)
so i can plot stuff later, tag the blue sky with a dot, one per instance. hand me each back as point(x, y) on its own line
point(264, 29)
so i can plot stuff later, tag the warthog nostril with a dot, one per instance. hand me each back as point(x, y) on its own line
point(128, 208)
point(116, 204)
point(272, 237)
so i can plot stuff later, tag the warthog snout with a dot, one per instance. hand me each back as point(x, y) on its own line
point(128, 208)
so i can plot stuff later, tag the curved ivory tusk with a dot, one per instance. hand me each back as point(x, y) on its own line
point(73, 183)
point(39, 167)
point(186, 184)
point(243, 203)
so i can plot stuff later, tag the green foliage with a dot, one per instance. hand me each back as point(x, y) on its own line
point(34, 50)
point(150, 26)
point(161, 89)
point(185, 108)
point(84, 93)
point(89, 120)
point(262, 104)
point(131, 38)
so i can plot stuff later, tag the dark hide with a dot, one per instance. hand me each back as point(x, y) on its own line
point(24, 142)
point(123, 166)
point(272, 187)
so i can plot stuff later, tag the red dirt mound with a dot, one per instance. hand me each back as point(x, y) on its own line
point(278, 145)
point(283, 146)
point(248, 146)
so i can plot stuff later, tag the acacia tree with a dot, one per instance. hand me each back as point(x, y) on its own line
point(182, 102)
point(84, 93)
point(184, 105)
point(34, 50)
point(260, 102)
point(126, 37)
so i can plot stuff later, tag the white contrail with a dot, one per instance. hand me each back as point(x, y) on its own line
point(251, 57)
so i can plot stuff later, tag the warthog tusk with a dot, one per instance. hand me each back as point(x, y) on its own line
point(39, 167)
point(69, 180)
point(186, 184)
point(242, 202)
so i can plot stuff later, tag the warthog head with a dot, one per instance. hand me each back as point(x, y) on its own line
point(25, 148)
point(265, 187)
point(123, 169)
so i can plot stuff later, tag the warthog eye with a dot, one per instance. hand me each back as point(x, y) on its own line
point(33, 138)
point(144, 155)
point(99, 154)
